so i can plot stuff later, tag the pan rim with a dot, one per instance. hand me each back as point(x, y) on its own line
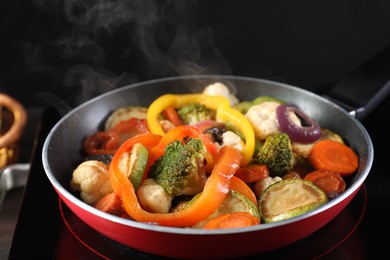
point(187, 231)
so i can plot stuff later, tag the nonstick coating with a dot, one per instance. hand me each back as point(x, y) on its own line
point(62, 154)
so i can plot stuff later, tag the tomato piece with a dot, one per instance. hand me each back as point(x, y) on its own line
point(105, 142)
point(127, 129)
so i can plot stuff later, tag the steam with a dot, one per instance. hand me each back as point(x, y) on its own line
point(102, 45)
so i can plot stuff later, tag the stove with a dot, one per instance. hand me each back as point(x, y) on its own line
point(47, 229)
point(42, 62)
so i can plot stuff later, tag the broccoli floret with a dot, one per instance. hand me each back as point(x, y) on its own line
point(194, 113)
point(277, 154)
point(180, 170)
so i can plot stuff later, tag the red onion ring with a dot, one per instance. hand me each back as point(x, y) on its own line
point(300, 134)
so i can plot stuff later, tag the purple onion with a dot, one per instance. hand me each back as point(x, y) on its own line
point(301, 134)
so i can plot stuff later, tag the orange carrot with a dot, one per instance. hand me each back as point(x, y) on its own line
point(334, 156)
point(329, 181)
point(111, 203)
point(171, 114)
point(232, 220)
point(252, 173)
point(238, 185)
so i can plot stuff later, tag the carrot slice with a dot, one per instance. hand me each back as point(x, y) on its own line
point(334, 156)
point(111, 203)
point(329, 181)
point(232, 220)
point(252, 173)
point(171, 114)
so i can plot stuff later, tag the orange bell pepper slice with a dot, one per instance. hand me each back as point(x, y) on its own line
point(240, 186)
point(214, 192)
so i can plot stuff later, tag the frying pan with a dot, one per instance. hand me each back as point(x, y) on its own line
point(62, 154)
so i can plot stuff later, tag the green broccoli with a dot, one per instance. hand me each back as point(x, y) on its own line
point(277, 154)
point(180, 169)
point(194, 113)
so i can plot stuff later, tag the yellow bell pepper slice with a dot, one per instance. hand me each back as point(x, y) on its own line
point(224, 114)
point(177, 101)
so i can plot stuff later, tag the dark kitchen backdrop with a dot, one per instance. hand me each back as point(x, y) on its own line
point(63, 52)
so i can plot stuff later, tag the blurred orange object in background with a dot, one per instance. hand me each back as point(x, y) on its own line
point(13, 118)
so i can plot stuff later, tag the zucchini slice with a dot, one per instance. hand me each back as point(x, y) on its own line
point(289, 198)
point(133, 164)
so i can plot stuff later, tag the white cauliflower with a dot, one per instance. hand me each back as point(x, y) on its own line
point(153, 197)
point(91, 178)
point(230, 138)
point(263, 119)
point(219, 89)
point(262, 184)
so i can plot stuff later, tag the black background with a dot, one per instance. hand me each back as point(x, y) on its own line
point(69, 51)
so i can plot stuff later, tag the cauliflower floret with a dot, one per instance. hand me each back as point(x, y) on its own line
point(91, 178)
point(229, 138)
point(153, 197)
point(219, 89)
point(262, 184)
point(263, 119)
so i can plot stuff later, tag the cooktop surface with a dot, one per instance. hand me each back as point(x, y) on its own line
point(46, 228)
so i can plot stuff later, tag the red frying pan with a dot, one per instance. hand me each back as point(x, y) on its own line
point(62, 153)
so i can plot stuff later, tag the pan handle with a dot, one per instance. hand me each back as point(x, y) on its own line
point(365, 88)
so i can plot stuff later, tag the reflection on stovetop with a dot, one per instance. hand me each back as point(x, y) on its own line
point(47, 229)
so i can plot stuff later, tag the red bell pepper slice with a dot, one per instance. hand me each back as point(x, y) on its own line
point(107, 142)
point(130, 128)
point(252, 173)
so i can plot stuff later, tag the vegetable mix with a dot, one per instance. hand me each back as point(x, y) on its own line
point(211, 161)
